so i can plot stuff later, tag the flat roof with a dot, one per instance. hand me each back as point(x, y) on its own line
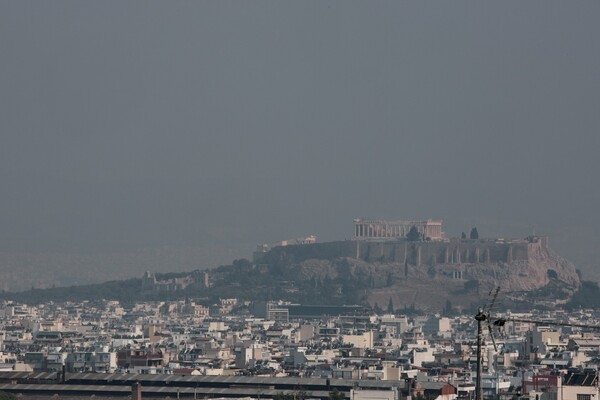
point(217, 381)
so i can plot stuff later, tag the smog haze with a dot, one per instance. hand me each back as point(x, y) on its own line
point(170, 136)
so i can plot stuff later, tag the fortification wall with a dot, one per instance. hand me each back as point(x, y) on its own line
point(320, 251)
point(453, 252)
point(415, 253)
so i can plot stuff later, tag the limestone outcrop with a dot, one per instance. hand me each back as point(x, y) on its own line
point(463, 281)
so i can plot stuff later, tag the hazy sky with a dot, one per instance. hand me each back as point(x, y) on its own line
point(128, 125)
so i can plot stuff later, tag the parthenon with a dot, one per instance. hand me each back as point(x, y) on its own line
point(365, 229)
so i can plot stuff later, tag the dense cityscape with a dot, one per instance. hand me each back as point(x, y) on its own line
point(420, 356)
point(299, 200)
point(238, 348)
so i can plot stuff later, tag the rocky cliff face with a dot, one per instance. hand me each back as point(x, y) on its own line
point(432, 286)
point(425, 275)
point(532, 274)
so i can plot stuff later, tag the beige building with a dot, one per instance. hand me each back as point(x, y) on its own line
point(364, 341)
point(541, 339)
point(374, 394)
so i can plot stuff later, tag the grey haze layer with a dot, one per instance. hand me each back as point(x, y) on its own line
point(195, 130)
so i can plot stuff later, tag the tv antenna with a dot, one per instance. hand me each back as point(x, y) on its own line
point(484, 316)
point(501, 321)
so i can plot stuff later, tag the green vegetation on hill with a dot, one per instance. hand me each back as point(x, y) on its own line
point(122, 290)
point(316, 274)
point(588, 296)
point(278, 279)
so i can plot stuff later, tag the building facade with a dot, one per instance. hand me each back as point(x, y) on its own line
point(365, 229)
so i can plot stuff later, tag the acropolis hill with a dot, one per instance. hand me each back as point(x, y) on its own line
point(431, 271)
point(458, 256)
point(379, 265)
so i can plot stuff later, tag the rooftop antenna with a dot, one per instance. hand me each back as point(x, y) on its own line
point(502, 321)
point(483, 315)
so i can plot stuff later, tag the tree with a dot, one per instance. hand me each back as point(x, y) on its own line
point(588, 296)
point(448, 309)
point(283, 396)
point(471, 285)
point(336, 395)
point(413, 234)
point(463, 235)
point(474, 234)
point(377, 309)
point(7, 396)
point(295, 395)
point(390, 308)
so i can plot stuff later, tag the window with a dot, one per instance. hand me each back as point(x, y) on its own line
point(584, 397)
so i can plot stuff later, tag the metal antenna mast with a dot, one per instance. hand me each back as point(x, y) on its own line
point(484, 315)
point(501, 321)
point(480, 317)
